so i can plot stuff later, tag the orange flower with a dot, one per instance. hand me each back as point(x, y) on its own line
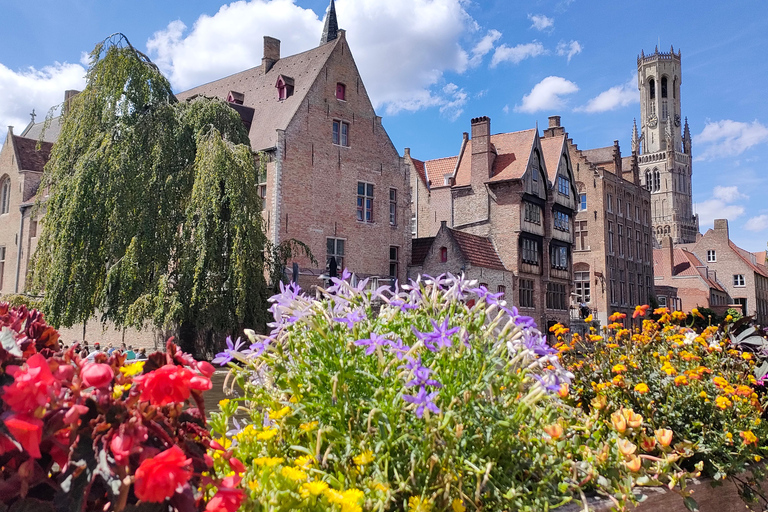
point(616, 316)
point(642, 388)
point(648, 443)
point(555, 431)
point(640, 310)
point(626, 446)
point(681, 380)
point(634, 420)
point(663, 436)
point(695, 312)
point(661, 311)
point(634, 464)
point(563, 392)
point(619, 422)
point(588, 319)
point(749, 437)
point(619, 368)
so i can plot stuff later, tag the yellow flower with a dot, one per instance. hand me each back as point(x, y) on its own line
point(118, 390)
point(749, 437)
point(307, 427)
point(703, 394)
point(364, 458)
point(695, 312)
point(132, 369)
point(458, 505)
point(619, 368)
point(728, 318)
point(634, 464)
point(642, 388)
point(746, 355)
point(668, 369)
point(304, 461)
point(722, 402)
point(664, 436)
point(634, 420)
point(276, 415)
point(419, 504)
point(223, 403)
point(563, 392)
point(349, 499)
point(312, 489)
point(266, 435)
point(268, 461)
point(587, 320)
point(681, 380)
point(294, 474)
point(619, 422)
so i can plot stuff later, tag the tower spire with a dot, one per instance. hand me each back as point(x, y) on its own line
point(331, 28)
point(635, 138)
point(687, 138)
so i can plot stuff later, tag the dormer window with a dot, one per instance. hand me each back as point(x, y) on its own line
point(235, 97)
point(341, 91)
point(284, 87)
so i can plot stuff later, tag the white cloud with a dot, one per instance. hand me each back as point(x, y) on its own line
point(232, 40)
point(615, 97)
point(39, 89)
point(759, 223)
point(541, 22)
point(505, 109)
point(727, 138)
point(516, 54)
point(719, 205)
point(570, 49)
point(547, 95)
point(453, 104)
point(483, 47)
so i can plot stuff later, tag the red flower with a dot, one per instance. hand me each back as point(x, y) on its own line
point(28, 431)
point(227, 498)
point(640, 310)
point(170, 384)
point(97, 375)
point(206, 368)
point(127, 441)
point(160, 477)
point(31, 386)
point(236, 465)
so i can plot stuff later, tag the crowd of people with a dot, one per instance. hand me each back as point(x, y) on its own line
point(88, 352)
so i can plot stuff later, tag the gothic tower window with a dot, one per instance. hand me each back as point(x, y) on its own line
point(656, 181)
point(652, 89)
point(663, 87)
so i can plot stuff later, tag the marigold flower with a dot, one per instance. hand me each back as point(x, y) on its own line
point(661, 311)
point(158, 477)
point(554, 431)
point(32, 385)
point(642, 388)
point(364, 458)
point(616, 316)
point(749, 437)
point(722, 402)
point(681, 380)
point(586, 320)
point(640, 310)
point(619, 368)
point(634, 464)
point(663, 436)
point(695, 312)
point(743, 390)
point(626, 446)
point(668, 369)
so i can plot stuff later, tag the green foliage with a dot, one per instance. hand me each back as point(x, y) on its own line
point(153, 213)
point(16, 300)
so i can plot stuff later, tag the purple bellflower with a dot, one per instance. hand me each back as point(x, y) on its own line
point(223, 358)
point(423, 400)
point(371, 343)
point(440, 337)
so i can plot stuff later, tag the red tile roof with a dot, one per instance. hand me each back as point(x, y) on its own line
point(420, 248)
point(477, 250)
point(512, 153)
point(686, 264)
point(437, 169)
point(30, 158)
point(552, 147)
point(747, 257)
point(419, 165)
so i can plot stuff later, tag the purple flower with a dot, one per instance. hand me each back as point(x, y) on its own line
point(421, 378)
point(523, 322)
point(223, 358)
point(371, 343)
point(536, 343)
point(440, 337)
point(259, 347)
point(235, 430)
point(551, 384)
point(352, 318)
point(402, 304)
point(485, 295)
point(399, 348)
point(423, 400)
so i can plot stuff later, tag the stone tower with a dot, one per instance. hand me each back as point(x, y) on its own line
point(663, 149)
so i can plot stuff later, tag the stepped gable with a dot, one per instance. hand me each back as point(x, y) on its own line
point(260, 94)
point(512, 153)
point(420, 248)
point(30, 158)
point(477, 250)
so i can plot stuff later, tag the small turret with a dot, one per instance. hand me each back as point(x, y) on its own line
point(687, 138)
point(331, 28)
point(635, 138)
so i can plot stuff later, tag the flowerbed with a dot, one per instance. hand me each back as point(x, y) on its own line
point(101, 434)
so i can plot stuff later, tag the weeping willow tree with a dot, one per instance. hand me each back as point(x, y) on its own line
point(153, 213)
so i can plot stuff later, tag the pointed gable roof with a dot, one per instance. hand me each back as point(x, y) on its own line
point(259, 93)
point(477, 250)
point(29, 157)
point(512, 153)
point(420, 248)
point(437, 169)
point(331, 27)
point(552, 147)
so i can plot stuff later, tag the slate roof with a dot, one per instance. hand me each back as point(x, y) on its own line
point(552, 147)
point(30, 158)
point(260, 94)
point(420, 248)
point(477, 250)
point(33, 131)
point(435, 170)
point(599, 155)
point(512, 153)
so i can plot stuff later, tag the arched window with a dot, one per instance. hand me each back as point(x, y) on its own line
point(648, 180)
point(652, 89)
point(5, 194)
point(443, 254)
point(656, 181)
point(663, 87)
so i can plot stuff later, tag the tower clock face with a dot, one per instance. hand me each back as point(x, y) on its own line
point(677, 119)
point(653, 120)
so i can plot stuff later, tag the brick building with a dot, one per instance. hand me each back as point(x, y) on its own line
point(517, 193)
point(683, 282)
point(743, 274)
point(334, 180)
point(612, 258)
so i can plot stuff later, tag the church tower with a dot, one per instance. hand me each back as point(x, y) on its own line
point(663, 148)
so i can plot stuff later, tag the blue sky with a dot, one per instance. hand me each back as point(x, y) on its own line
point(432, 65)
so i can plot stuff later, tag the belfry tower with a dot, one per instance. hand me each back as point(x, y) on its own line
point(664, 148)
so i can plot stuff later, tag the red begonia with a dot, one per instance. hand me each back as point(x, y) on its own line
point(32, 385)
point(160, 477)
point(170, 384)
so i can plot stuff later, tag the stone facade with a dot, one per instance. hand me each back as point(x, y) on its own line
point(683, 282)
point(664, 152)
point(511, 190)
point(742, 274)
point(612, 258)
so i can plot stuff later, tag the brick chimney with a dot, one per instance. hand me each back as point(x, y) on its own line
point(271, 53)
point(667, 257)
point(68, 95)
point(721, 229)
point(554, 121)
point(482, 155)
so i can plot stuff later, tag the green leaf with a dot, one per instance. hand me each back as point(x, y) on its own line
point(691, 504)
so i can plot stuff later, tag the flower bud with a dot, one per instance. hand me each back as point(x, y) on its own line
point(97, 375)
